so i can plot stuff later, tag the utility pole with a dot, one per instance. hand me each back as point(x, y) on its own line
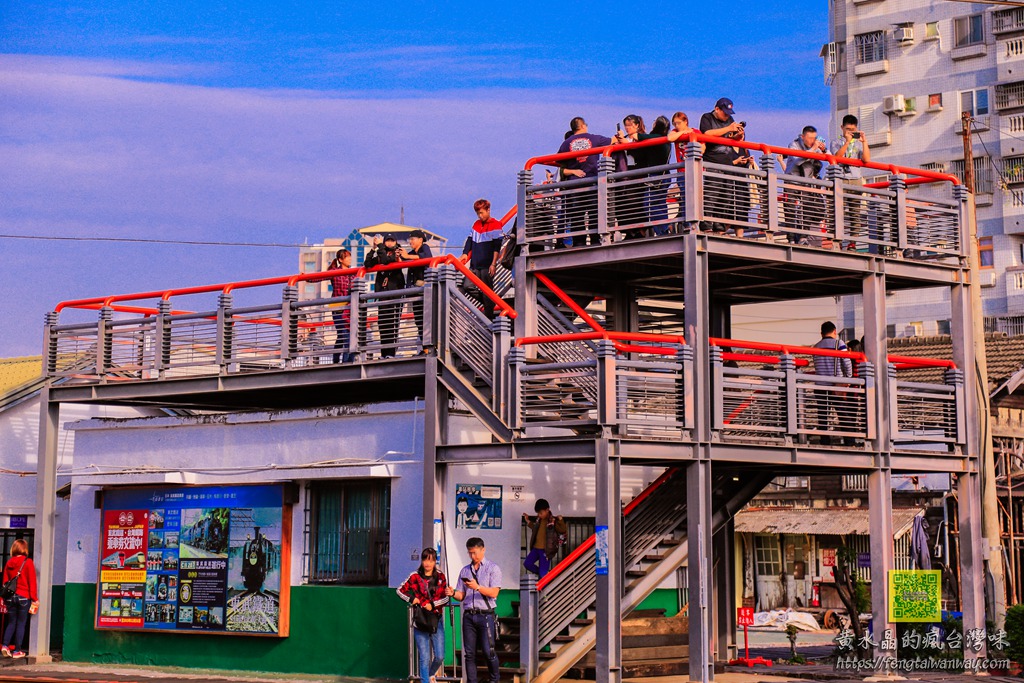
point(993, 552)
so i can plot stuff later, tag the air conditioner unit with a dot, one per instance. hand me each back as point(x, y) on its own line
point(894, 104)
point(904, 34)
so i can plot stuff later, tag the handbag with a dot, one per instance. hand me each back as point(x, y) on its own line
point(425, 620)
point(10, 588)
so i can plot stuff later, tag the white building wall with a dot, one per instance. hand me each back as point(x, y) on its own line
point(19, 452)
point(356, 442)
point(917, 69)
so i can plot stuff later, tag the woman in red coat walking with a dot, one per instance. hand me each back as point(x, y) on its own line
point(20, 565)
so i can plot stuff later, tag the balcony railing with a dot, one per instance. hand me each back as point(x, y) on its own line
point(1010, 96)
point(757, 202)
point(1008, 20)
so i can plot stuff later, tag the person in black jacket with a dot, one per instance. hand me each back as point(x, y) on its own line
point(388, 314)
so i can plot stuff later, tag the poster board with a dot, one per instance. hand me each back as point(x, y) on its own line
point(212, 559)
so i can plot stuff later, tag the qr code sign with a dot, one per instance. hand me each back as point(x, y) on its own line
point(915, 595)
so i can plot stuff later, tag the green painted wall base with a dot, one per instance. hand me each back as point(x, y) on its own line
point(57, 618)
point(662, 598)
point(340, 630)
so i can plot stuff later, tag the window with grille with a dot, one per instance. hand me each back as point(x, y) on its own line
point(1013, 169)
point(937, 166)
point(767, 555)
point(982, 174)
point(969, 30)
point(870, 47)
point(348, 531)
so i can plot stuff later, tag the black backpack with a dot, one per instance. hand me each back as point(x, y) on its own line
point(509, 248)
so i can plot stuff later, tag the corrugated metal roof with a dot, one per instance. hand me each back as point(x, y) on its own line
point(15, 372)
point(822, 522)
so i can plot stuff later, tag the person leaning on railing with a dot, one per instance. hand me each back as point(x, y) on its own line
point(416, 276)
point(728, 198)
point(387, 280)
point(341, 286)
point(830, 397)
point(581, 206)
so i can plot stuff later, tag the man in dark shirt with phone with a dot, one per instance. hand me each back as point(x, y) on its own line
point(725, 198)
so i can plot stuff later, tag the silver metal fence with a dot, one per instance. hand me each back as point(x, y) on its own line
point(387, 323)
point(650, 396)
point(833, 213)
point(927, 412)
point(558, 394)
point(469, 334)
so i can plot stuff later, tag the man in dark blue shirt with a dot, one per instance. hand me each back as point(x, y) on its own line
point(580, 215)
point(481, 250)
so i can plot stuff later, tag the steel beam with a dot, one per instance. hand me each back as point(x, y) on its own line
point(435, 432)
point(875, 341)
point(972, 568)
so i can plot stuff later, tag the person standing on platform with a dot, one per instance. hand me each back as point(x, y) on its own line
point(388, 313)
point(546, 531)
point(416, 276)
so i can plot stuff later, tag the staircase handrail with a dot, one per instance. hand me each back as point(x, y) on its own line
point(589, 543)
point(696, 136)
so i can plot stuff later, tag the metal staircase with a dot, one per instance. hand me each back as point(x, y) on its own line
point(561, 607)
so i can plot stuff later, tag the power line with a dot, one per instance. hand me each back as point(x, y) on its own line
point(143, 240)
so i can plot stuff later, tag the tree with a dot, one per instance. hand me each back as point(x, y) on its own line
point(852, 591)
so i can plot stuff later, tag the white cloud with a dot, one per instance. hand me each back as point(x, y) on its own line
point(88, 149)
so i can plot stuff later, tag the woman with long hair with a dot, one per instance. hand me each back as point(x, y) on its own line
point(21, 567)
point(426, 589)
point(341, 285)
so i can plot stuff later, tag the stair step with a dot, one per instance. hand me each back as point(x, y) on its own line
point(643, 654)
point(563, 639)
point(671, 542)
point(581, 622)
point(646, 613)
point(637, 573)
point(653, 558)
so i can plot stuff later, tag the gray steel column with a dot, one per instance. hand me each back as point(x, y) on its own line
point(883, 555)
point(695, 318)
point(435, 427)
point(45, 521)
point(875, 342)
point(609, 586)
point(529, 624)
point(725, 594)
point(698, 539)
point(972, 571)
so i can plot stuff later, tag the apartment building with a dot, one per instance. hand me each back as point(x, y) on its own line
point(907, 69)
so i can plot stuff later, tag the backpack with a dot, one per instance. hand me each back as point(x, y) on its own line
point(509, 248)
point(10, 587)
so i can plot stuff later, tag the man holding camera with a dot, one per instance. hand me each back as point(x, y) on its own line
point(851, 145)
point(388, 314)
point(862, 219)
point(418, 250)
point(729, 198)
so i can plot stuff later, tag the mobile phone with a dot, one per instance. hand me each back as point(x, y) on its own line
point(743, 124)
point(618, 127)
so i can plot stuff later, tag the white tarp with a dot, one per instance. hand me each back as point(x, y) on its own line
point(777, 620)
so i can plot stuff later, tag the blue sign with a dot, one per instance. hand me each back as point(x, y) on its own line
point(864, 560)
point(19, 522)
point(601, 550)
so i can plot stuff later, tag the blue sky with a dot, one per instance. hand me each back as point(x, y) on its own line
point(285, 122)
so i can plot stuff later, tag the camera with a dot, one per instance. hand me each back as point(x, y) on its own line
point(856, 136)
point(743, 124)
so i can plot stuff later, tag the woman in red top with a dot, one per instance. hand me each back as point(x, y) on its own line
point(20, 565)
point(428, 588)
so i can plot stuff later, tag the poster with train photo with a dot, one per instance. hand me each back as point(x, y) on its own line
point(195, 559)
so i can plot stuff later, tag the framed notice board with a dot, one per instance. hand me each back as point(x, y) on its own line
point(211, 559)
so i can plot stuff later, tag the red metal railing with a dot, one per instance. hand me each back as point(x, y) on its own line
point(589, 543)
point(615, 337)
point(697, 136)
point(902, 362)
point(290, 280)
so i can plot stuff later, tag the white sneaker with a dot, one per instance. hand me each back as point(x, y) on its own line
point(5, 651)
